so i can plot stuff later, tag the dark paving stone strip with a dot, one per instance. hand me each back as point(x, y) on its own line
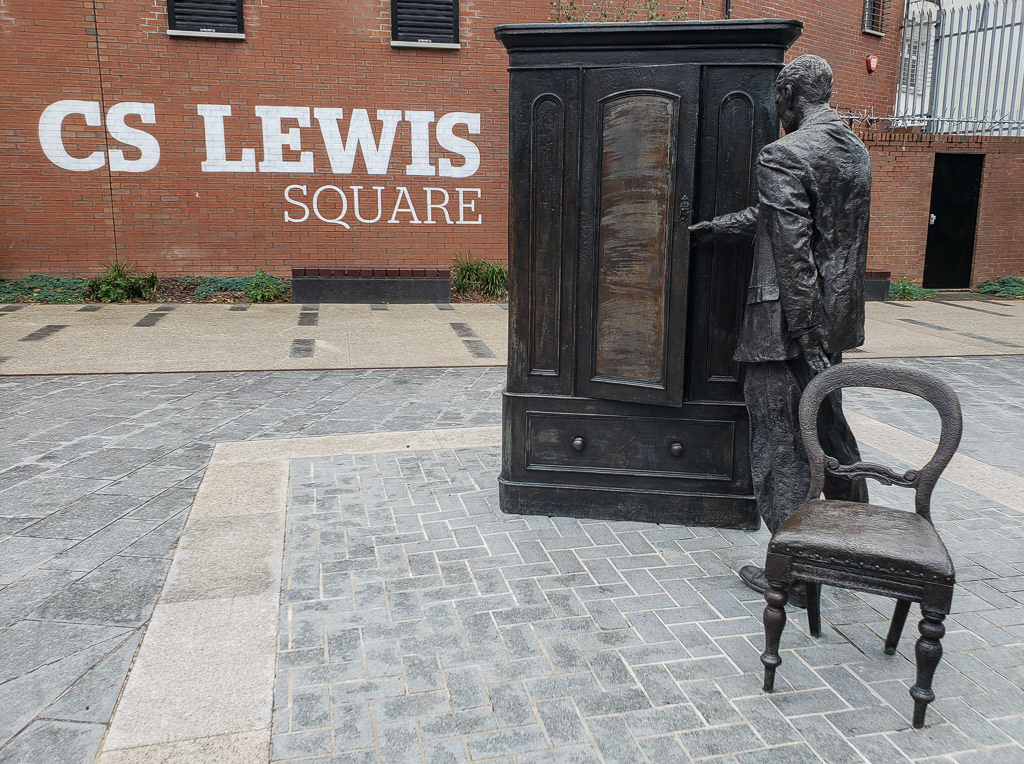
point(239, 307)
point(150, 319)
point(478, 349)
point(10, 308)
point(915, 322)
point(463, 330)
point(89, 308)
point(309, 319)
point(44, 332)
point(378, 306)
point(311, 306)
point(990, 339)
point(442, 306)
point(302, 349)
point(971, 307)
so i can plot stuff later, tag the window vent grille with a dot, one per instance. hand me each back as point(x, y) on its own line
point(211, 16)
point(425, 21)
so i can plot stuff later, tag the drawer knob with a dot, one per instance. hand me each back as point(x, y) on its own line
point(676, 449)
point(579, 444)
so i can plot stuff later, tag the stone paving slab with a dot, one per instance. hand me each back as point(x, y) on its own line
point(214, 337)
point(161, 430)
point(83, 559)
point(48, 339)
point(417, 618)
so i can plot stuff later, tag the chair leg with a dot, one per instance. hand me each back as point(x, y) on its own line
point(814, 608)
point(929, 652)
point(899, 617)
point(774, 622)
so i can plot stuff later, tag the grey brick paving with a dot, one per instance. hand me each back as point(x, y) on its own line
point(553, 639)
point(990, 393)
point(97, 474)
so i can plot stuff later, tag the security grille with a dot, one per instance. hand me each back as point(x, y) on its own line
point(961, 69)
point(216, 16)
point(874, 15)
point(429, 21)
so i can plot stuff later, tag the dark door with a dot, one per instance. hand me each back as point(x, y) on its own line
point(956, 184)
point(634, 244)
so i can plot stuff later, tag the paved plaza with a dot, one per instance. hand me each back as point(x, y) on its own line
point(272, 565)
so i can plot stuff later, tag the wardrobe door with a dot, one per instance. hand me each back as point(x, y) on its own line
point(636, 187)
point(737, 119)
point(543, 119)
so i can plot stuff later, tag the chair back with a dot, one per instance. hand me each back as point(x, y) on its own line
point(856, 374)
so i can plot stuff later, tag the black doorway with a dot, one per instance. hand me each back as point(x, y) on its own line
point(956, 184)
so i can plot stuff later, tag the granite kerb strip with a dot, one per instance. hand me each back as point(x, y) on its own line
point(201, 687)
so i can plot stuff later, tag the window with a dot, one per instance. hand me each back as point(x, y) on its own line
point(205, 18)
point(909, 63)
point(874, 16)
point(425, 22)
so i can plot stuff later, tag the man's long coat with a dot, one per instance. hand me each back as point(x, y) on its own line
point(810, 231)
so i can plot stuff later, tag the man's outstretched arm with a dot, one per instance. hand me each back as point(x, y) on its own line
point(742, 223)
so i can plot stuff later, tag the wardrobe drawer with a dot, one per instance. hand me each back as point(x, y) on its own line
point(597, 443)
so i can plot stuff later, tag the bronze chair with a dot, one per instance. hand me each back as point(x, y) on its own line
point(867, 547)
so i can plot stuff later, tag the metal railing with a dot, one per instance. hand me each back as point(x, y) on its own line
point(962, 68)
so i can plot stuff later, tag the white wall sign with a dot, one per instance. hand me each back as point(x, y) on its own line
point(281, 150)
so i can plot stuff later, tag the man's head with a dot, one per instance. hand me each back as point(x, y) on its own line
point(805, 82)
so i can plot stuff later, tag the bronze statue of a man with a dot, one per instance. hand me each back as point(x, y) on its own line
point(805, 302)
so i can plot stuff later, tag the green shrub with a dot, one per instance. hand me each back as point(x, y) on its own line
point(470, 275)
point(904, 288)
point(261, 287)
point(264, 288)
point(43, 289)
point(210, 285)
point(119, 283)
point(1004, 286)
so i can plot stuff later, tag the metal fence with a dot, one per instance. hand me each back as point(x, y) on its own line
point(962, 68)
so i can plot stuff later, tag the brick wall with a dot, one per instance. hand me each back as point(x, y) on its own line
point(902, 164)
point(177, 219)
point(834, 30)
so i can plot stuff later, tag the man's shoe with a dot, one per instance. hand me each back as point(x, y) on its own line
point(754, 577)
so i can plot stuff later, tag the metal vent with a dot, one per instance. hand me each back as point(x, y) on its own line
point(220, 16)
point(425, 21)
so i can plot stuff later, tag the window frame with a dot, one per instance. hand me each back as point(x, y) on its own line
point(873, 21)
point(453, 44)
point(172, 31)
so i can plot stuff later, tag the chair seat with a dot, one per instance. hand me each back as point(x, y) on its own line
point(865, 537)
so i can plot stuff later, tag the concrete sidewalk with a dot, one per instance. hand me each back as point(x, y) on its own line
point(95, 339)
point(318, 567)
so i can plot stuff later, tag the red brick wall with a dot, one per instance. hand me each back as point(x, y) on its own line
point(177, 219)
point(833, 29)
point(902, 164)
point(49, 222)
